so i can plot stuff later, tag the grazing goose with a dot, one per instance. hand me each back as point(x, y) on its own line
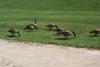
point(65, 33)
point(31, 27)
point(51, 26)
point(13, 32)
point(95, 31)
point(58, 30)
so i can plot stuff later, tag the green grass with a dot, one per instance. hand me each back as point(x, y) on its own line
point(52, 5)
point(79, 15)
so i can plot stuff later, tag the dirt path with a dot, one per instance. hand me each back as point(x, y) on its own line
point(13, 54)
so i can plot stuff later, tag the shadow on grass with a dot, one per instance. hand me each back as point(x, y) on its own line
point(11, 36)
point(48, 30)
point(65, 38)
point(94, 36)
point(62, 38)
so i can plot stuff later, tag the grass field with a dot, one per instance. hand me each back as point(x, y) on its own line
point(79, 15)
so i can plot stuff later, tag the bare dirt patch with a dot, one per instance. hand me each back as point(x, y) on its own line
point(15, 54)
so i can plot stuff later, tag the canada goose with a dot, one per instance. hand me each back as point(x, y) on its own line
point(51, 26)
point(31, 27)
point(34, 24)
point(95, 31)
point(58, 30)
point(65, 33)
point(13, 32)
point(68, 33)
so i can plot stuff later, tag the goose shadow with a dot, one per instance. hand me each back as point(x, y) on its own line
point(93, 36)
point(62, 38)
point(11, 36)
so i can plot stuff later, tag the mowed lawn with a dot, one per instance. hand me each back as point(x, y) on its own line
point(79, 21)
point(79, 16)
